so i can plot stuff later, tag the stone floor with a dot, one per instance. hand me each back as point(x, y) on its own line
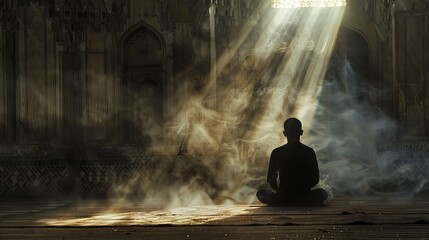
point(339, 219)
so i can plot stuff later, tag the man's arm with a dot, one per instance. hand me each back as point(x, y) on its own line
point(314, 169)
point(273, 172)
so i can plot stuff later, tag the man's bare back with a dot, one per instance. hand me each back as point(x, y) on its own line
point(293, 172)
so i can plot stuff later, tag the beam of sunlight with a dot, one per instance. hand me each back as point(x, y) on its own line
point(282, 61)
point(272, 69)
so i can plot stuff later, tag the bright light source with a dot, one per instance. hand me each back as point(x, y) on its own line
point(307, 3)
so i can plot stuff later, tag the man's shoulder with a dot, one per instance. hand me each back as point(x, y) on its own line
point(278, 151)
point(307, 147)
point(281, 148)
point(295, 146)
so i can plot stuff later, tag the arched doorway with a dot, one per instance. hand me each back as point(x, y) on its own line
point(349, 72)
point(143, 59)
point(352, 49)
point(348, 98)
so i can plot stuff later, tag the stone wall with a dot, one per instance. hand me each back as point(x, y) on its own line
point(70, 72)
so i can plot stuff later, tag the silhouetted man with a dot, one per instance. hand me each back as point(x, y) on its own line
point(292, 172)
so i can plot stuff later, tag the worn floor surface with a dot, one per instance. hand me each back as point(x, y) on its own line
point(339, 219)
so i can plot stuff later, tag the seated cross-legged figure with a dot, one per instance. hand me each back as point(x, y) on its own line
point(293, 172)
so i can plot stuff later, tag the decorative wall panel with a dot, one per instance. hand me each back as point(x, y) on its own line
point(8, 27)
point(105, 177)
point(96, 97)
point(33, 178)
point(412, 65)
point(37, 171)
point(72, 99)
point(3, 92)
point(34, 88)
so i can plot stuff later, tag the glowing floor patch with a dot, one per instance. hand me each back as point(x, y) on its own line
point(175, 216)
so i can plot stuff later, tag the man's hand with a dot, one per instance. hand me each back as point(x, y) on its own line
point(273, 183)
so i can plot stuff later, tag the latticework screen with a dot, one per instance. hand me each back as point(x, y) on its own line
point(307, 3)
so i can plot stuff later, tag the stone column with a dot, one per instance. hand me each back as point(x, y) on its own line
point(213, 71)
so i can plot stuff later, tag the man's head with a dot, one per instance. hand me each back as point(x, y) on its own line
point(292, 128)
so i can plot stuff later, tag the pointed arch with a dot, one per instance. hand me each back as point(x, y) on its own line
point(90, 11)
point(104, 4)
point(145, 27)
point(103, 11)
point(143, 80)
point(357, 50)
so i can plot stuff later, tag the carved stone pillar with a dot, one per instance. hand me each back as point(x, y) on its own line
point(8, 80)
point(213, 56)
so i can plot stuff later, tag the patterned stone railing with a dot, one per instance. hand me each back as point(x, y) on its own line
point(44, 171)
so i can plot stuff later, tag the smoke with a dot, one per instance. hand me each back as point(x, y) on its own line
point(271, 68)
point(274, 68)
point(349, 135)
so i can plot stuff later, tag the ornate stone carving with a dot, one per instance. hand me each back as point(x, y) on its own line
point(74, 170)
point(231, 13)
point(137, 36)
point(407, 147)
point(383, 17)
point(8, 13)
point(29, 179)
point(380, 12)
point(165, 16)
point(367, 7)
point(71, 20)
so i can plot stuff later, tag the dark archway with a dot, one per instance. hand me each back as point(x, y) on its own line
point(349, 94)
point(349, 69)
point(352, 49)
point(142, 84)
